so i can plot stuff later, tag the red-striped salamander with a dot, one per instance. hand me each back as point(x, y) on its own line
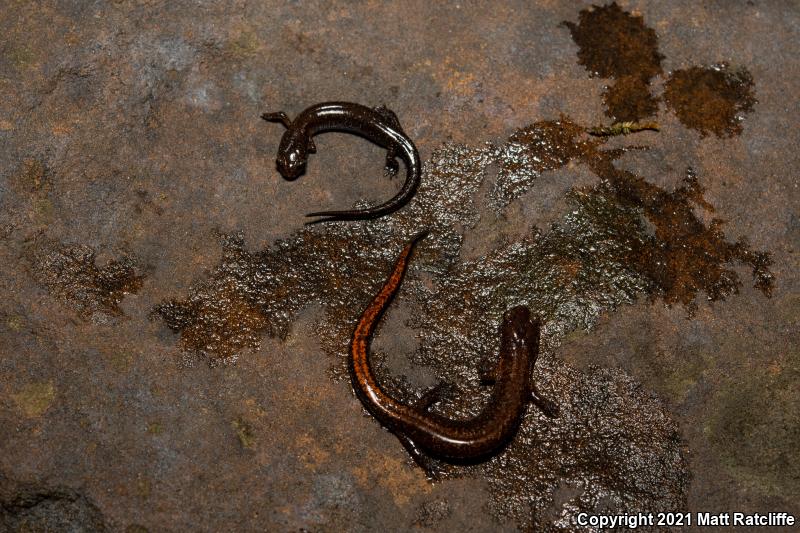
point(379, 125)
point(433, 435)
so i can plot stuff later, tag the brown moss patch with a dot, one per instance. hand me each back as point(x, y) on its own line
point(629, 99)
point(711, 99)
point(221, 318)
point(613, 43)
point(69, 273)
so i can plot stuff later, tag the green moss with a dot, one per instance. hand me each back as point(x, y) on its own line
point(244, 432)
point(682, 374)
point(34, 399)
point(757, 428)
point(14, 322)
point(244, 45)
point(20, 56)
point(121, 361)
point(43, 210)
point(143, 487)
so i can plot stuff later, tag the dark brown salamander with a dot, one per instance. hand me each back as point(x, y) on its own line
point(379, 125)
point(435, 435)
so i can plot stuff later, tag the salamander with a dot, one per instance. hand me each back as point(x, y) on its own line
point(428, 434)
point(379, 125)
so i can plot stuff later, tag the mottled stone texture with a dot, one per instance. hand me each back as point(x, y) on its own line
point(173, 341)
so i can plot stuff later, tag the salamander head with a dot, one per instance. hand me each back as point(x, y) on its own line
point(292, 157)
point(522, 328)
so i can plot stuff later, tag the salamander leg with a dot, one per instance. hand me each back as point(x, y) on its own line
point(278, 116)
point(392, 167)
point(548, 407)
point(434, 395)
point(432, 470)
point(389, 116)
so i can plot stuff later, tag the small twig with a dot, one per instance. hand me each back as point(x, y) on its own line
point(623, 128)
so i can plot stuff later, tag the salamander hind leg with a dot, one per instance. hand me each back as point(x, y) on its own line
point(433, 471)
point(548, 407)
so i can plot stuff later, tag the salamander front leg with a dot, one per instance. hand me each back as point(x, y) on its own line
point(391, 119)
point(278, 116)
point(389, 116)
point(548, 407)
point(433, 396)
point(392, 167)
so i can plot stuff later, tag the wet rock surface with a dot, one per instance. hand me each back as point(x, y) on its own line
point(174, 340)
